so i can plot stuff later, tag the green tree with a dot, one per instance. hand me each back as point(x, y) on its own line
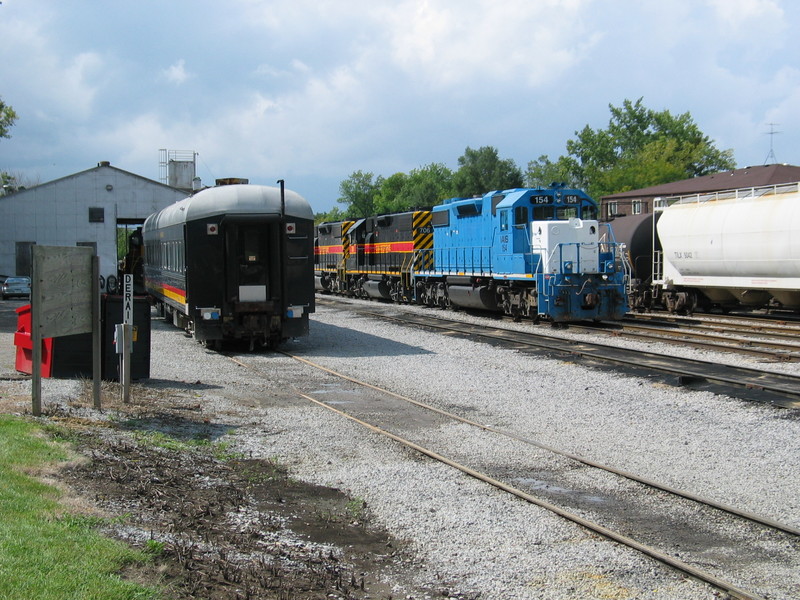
point(639, 148)
point(427, 186)
point(542, 172)
point(18, 180)
point(482, 171)
point(421, 188)
point(386, 198)
point(334, 214)
point(7, 119)
point(358, 194)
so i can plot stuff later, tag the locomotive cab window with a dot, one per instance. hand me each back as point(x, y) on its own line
point(520, 216)
point(542, 213)
point(503, 220)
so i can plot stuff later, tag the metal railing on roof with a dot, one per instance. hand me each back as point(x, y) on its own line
point(751, 192)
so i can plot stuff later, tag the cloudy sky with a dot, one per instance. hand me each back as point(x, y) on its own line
point(311, 91)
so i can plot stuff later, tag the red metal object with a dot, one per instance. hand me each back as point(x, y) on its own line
point(24, 344)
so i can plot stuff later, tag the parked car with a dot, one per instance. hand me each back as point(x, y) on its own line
point(16, 286)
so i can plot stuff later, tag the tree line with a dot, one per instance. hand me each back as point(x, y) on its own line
point(640, 148)
point(7, 119)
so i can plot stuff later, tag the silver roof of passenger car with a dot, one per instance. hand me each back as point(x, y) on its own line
point(231, 200)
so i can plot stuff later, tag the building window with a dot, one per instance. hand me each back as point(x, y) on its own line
point(611, 209)
point(97, 214)
point(636, 207)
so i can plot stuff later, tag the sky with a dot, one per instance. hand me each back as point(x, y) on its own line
point(313, 91)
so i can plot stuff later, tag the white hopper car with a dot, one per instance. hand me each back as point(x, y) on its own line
point(722, 250)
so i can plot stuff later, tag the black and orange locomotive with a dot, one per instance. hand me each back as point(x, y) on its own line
point(373, 257)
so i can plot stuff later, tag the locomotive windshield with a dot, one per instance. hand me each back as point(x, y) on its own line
point(564, 213)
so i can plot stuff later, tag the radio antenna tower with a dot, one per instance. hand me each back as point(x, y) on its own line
point(771, 133)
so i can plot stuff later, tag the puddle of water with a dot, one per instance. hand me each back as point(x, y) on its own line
point(541, 485)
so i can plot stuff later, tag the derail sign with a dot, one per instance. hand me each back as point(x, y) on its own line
point(127, 311)
point(64, 276)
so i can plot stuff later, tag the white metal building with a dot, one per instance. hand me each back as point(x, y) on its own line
point(84, 209)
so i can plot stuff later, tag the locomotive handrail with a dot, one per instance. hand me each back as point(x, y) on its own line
point(627, 268)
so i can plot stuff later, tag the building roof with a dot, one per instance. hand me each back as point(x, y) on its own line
point(726, 180)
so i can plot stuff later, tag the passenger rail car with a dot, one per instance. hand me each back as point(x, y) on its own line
point(537, 253)
point(732, 249)
point(233, 262)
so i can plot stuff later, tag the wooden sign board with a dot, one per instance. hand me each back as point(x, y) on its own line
point(62, 283)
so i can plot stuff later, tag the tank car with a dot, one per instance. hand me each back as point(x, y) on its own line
point(233, 262)
point(636, 236)
point(537, 253)
point(372, 257)
point(733, 249)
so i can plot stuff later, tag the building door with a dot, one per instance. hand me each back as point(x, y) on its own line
point(23, 258)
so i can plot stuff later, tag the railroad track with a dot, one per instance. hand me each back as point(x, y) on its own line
point(714, 543)
point(777, 389)
point(775, 341)
point(752, 319)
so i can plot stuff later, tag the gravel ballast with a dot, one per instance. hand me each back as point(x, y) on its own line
point(462, 530)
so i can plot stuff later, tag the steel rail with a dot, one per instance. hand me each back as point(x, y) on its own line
point(772, 330)
point(653, 553)
point(583, 460)
point(627, 541)
point(698, 339)
point(784, 388)
point(768, 321)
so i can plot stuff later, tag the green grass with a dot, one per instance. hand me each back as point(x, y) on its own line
point(46, 554)
point(220, 450)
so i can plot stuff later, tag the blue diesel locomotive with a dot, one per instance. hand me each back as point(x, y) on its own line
point(536, 253)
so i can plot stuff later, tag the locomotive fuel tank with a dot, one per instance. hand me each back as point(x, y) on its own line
point(743, 248)
point(476, 296)
point(377, 287)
